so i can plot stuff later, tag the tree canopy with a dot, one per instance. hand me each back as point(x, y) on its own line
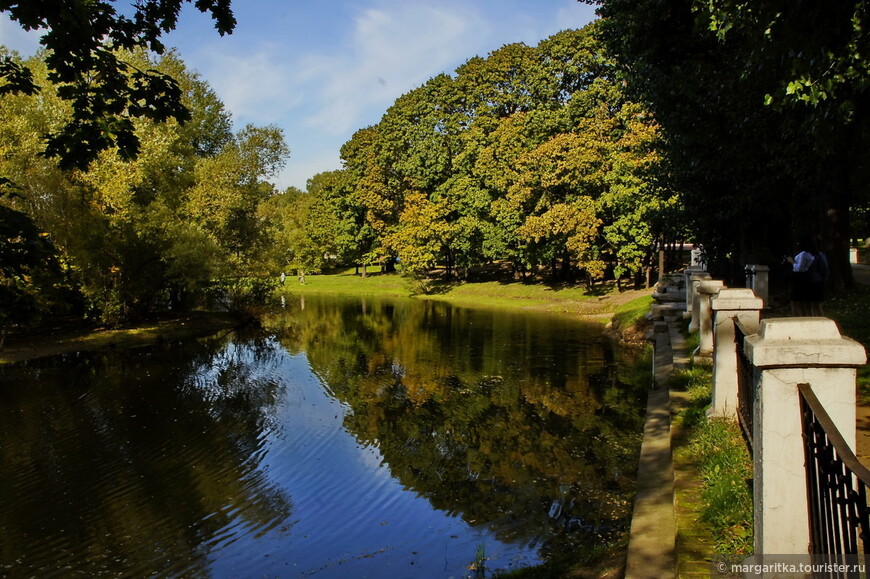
point(532, 156)
point(105, 92)
point(764, 110)
point(132, 236)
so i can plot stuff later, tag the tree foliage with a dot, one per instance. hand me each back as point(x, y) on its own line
point(532, 155)
point(137, 235)
point(105, 92)
point(764, 110)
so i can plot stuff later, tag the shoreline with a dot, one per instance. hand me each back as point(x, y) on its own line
point(520, 297)
point(187, 326)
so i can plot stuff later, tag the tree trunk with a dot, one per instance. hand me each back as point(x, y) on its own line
point(566, 267)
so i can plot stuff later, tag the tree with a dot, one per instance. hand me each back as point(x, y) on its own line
point(106, 93)
point(764, 110)
point(229, 188)
point(136, 235)
point(27, 259)
point(293, 247)
point(510, 159)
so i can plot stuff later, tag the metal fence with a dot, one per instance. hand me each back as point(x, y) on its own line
point(745, 385)
point(836, 484)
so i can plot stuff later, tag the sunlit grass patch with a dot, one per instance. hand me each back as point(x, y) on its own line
point(716, 446)
point(554, 298)
point(632, 312)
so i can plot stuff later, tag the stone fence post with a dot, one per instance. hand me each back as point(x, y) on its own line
point(693, 278)
point(758, 280)
point(730, 306)
point(786, 352)
point(706, 290)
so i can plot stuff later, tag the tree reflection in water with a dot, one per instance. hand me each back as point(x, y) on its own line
point(515, 422)
point(127, 464)
point(406, 432)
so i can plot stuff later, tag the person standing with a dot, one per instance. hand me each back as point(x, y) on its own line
point(801, 290)
point(817, 279)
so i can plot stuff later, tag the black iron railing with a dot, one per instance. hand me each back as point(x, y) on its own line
point(836, 484)
point(745, 385)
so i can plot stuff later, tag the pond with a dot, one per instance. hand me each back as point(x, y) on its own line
point(346, 438)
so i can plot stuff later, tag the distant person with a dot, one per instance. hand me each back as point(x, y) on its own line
point(283, 278)
point(801, 292)
point(817, 280)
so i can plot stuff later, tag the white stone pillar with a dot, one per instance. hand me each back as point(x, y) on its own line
point(706, 290)
point(693, 279)
point(758, 279)
point(786, 352)
point(731, 305)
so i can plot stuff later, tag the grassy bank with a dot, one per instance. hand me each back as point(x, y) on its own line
point(714, 452)
point(603, 302)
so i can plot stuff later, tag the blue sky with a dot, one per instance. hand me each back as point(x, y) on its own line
point(322, 69)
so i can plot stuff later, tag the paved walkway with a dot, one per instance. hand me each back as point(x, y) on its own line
point(667, 538)
point(652, 549)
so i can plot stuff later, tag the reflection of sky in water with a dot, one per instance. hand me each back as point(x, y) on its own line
point(350, 517)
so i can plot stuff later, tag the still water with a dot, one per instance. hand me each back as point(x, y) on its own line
point(346, 439)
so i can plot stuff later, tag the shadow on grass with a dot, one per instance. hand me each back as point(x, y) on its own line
point(434, 287)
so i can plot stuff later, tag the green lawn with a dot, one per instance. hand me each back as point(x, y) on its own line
point(515, 295)
point(851, 311)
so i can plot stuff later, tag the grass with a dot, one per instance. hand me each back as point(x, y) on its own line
point(851, 311)
point(632, 313)
point(375, 284)
point(716, 448)
point(604, 301)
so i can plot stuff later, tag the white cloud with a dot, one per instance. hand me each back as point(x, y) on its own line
point(253, 86)
point(392, 50)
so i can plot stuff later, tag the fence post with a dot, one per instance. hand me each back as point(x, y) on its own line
point(784, 353)
point(693, 278)
point(730, 306)
point(706, 290)
point(758, 280)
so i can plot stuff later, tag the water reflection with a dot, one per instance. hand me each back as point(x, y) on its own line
point(347, 439)
point(514, 422)
point(111, 465)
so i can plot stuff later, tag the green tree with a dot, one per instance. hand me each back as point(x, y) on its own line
point(135, 235)
point(228, 189)
point(510, 159)
point(336, 220)
point(105, 92)
point(763, 108)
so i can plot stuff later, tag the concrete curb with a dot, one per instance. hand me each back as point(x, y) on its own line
point(651, 546)
point(653, 534)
